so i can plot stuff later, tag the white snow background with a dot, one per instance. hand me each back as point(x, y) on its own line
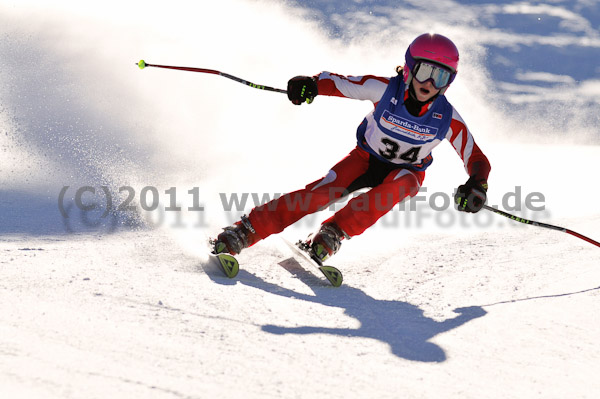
point(434, 304)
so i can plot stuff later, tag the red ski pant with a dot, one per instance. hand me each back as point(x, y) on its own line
point(360, 213)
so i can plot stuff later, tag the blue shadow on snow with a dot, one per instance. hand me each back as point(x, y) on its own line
point(403, 326)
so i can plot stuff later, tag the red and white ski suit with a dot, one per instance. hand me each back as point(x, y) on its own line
point(375, 162)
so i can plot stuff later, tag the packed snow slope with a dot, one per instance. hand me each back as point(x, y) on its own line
point(112, 177)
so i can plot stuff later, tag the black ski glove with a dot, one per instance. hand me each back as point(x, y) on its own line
point(471, 196)
point(302, 89)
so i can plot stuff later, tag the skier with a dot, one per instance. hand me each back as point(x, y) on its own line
point(395, 140)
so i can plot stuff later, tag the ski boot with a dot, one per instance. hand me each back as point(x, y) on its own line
point(235, 238)
point(327, 241)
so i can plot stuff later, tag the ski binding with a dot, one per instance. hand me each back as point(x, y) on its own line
point(332, 274)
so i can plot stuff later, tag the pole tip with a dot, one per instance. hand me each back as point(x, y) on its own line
point(141, 64)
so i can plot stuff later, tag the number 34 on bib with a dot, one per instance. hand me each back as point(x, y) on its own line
point(392, 150)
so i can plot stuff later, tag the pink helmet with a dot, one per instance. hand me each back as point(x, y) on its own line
point(431, 47)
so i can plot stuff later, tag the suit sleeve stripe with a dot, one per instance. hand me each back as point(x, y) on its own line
point(462, 140)
point(457, 142)
point(468, 150)
point(356, 87)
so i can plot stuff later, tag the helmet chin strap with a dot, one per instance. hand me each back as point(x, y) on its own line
point(413, 105)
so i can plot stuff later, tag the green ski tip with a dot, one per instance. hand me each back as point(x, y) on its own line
point(229, 264)
point(333, 275)
point(142, 64)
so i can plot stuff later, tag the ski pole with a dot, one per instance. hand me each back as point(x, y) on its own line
point(547, 226)
point(143, 64)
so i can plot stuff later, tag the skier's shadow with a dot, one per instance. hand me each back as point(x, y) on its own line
point(401, 325)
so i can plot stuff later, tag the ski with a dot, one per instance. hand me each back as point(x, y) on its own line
point(227, 263)
point(332, 274)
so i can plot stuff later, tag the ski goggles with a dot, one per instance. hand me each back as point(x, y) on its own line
point(440, 77)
